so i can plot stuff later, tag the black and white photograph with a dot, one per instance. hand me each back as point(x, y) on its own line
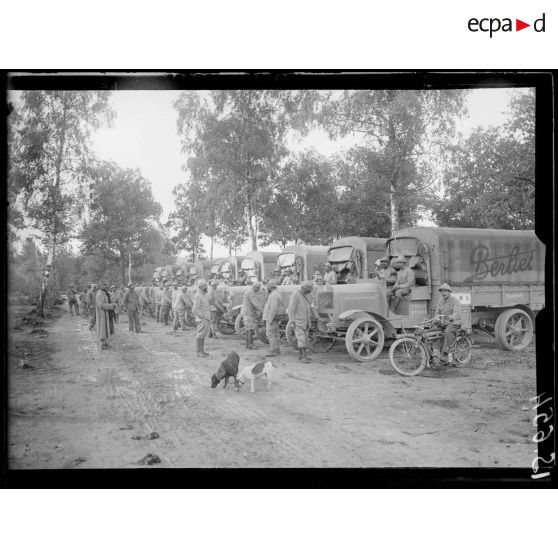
point(256, 271)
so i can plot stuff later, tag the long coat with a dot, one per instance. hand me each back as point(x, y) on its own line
point(300, 310)
point(274, 305)
point(102, 315)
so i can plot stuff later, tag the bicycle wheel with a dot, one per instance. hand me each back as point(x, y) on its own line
point(407, 356)
point(462, 350)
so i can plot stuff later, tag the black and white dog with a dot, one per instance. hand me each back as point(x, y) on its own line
point(227, 369)
point(252, 372)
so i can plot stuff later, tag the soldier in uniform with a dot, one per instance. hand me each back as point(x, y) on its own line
point(92, 305)
point(201, 311)
point(131, 304)
point(182, 304)
point(166, 303)
point(317, 278)
point(116, 299)
point(330, 277)
point(273, 313)
point(449, 308)
point(288, 279)
point(403, 284)
point(386, 272)
point(144, 299)
point(72, 300)
point(242, 279)
point(157, 298)
point(301, 312)
point(251, 312)
point(215, 306)
point(102, 308)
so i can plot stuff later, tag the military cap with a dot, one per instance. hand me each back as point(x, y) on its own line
point(256, 284)
point(327, 264)
point(384, 259)
point(445, 287)
point(202, 283)
point(288, 270)
point(214, 283)
point(400, 259)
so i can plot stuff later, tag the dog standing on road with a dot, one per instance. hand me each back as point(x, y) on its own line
point(254, 371)
point(227, 369)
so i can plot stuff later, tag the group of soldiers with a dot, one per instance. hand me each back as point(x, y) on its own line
point(169, 301)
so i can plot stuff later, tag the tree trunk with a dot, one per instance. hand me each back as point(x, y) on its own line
point(250, 228)
point(122, 268)
point(129, 267)
point(211, 249)
point(46, 274)
point(394, 211)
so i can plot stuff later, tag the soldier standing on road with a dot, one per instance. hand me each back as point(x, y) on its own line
point(215, 306)
point(115, 299)
point(182, 305)
point(157, 298)
point(102, 308)
point(251, 312)
point(174, 294)
point(202, 313)
point(449, 308)
point(166, 303)
point(403, 284)
point(273, 313)
point(92, 305)
point(145, 300)
point(330, 277)
point(131, 304)
point(72, 300)
point(301, 313)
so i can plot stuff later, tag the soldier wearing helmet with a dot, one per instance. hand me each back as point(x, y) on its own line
point(403, 284)
point(449, 310)
point(301, 313)
point(202, 313)
point(330, 277)
point(166, 303)
point(215, 306)
point(251, 311)
point(386, 272)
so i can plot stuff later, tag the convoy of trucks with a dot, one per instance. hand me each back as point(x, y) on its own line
point(498, 276)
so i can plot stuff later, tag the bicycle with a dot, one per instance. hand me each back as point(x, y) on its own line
point(412, 352)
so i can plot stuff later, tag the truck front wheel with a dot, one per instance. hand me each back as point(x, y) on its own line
point(514, 329)
point(365, 339)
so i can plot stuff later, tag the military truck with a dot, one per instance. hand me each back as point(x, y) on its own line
point(355, 255)
point(228, 269)
point(303, 260)
point(168, 272)
point(498, 276)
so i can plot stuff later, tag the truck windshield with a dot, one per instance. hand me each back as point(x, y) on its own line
point(340, 254)
point(403, 247)
point(248, 264)
point(215, 269)
point(286, 260)
point(226, 270)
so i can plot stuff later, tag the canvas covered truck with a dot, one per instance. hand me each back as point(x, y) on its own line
point(168, 273)
point(303, 260)
point(498, 276)
point(355, 255)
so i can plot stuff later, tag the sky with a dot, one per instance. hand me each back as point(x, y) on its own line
point(144, 135)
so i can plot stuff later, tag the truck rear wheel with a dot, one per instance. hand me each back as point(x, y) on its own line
point(365, 339)
point(514, 329)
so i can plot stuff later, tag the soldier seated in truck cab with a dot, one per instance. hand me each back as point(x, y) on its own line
point(386, 272)
point(403, 284)
point(330, 276)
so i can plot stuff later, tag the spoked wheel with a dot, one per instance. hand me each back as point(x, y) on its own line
point(190, 319)
point(320, 342)
point(514, 329)
point(239, 327)
point(462, 350)
point(225, 327)
point(407, 356)
point(365, 339)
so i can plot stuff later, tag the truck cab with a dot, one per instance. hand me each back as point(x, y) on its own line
point(303, 260)
point(354, 256)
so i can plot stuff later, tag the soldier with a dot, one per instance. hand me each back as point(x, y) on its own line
point(386, 272)
point(301, 312)
point(92, 305)
point(174, 294)
point(116, 299)
point(202, 313)
point(273, 313)
point(288, 279)
point(144, 299)
point(131, 304)
point(166, 303)
point(182, 305)
point(72, 300)
point(102, 308)
point(403, 284)
point(83, 301)
point(251, 312)
point(330, 277)
point(157, 298)
point(449, 308)
point(242, 279)
point(215, 306)
point(277, 275)
point(317, 278)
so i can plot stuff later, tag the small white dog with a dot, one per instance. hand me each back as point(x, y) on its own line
point(254, 371)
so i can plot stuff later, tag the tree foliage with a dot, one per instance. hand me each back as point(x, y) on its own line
point(123, 217)
point(490, 175)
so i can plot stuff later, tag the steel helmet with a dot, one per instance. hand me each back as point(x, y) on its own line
point(445, 287)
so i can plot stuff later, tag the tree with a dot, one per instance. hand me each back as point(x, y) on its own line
point(122, 223)
point(490, 176)
point(303, 203)
point(234, 141)
point(404, 131)
point(50, 133)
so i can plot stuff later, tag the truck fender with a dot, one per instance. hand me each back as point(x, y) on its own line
point(389, 330)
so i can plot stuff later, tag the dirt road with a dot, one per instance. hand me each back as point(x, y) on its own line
point(76, 406)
